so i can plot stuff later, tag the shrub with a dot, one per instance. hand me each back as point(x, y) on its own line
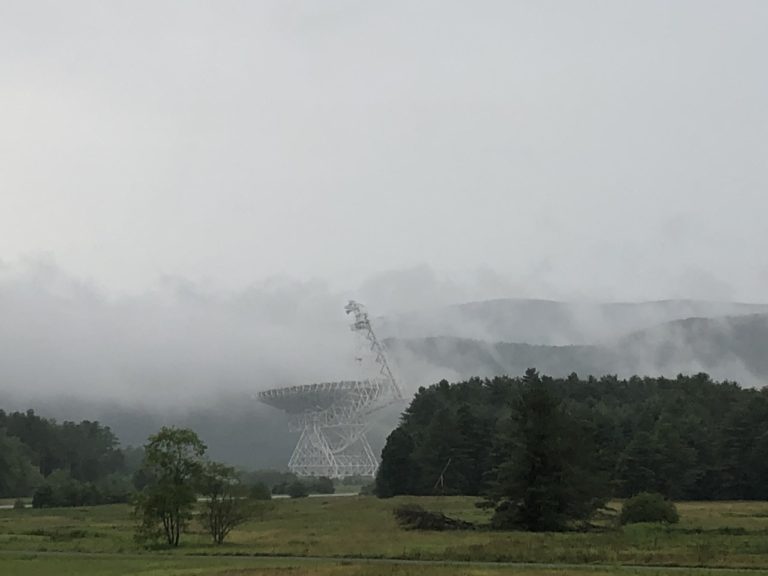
point(271, 478)
point(60, 490)
point(297, 489)
point(43, 497)
point(355, 480)
point(114, 489)
point(648, 507)
point(259, 491)
point(368, 489)
point(321, 485)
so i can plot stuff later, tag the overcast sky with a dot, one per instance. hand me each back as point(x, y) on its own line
point(592, 149)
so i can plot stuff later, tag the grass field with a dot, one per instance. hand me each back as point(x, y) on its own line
point(339, 536)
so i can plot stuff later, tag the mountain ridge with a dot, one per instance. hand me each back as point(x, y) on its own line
point(730, 348)
point(551, 322)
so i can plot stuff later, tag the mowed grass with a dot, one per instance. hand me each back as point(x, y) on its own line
point(714, 535)
point(153, 565)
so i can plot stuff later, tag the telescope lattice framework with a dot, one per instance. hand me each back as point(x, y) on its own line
point(333, 417)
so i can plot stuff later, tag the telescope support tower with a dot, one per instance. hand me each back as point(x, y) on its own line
point(316, 455)
point(332, 417)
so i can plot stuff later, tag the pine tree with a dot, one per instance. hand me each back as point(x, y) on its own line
point(471, 453)
point(437, 455)
point(397, 473)
point(545, 482)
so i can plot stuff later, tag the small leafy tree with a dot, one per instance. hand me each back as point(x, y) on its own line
point(173, 463)
point(223, 510)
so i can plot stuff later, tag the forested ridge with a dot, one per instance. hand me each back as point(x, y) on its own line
point(726, 347)
point(686, 438)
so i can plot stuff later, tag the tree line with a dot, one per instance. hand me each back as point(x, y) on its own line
point(577, 442)
point(82, 463)
point(64, 464)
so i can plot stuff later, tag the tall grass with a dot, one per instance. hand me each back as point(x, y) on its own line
point(726, 534)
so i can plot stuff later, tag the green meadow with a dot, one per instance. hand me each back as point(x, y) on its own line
point(358, 535)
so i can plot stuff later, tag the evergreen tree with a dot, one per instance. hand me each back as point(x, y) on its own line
point(471, 453)
point(545, 483)
point(638, 466)
point(397, 473)
point(437, 454)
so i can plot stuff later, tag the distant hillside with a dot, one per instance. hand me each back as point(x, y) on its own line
point(551, 323)
point(732, 347)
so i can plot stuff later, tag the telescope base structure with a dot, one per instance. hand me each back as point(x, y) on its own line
point(332, 419)
point(331, 416)
point(334, 452)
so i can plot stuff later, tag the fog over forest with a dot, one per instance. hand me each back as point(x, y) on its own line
point(183, 354)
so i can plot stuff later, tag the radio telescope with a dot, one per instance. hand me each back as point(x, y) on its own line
point(332, 417)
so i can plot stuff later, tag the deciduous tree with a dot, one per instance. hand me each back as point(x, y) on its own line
point(224, 510)
point(173, 460)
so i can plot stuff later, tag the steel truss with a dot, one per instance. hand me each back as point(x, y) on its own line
point(332, 417)
point(335, 452)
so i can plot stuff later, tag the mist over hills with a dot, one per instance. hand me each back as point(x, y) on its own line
point(730, 347)
point(190, 357)
point(726, 347)
point(549, 322)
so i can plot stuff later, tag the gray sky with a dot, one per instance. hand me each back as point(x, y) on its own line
point(595, 149)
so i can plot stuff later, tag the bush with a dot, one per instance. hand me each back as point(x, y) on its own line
point(321, 485)
point(355, 480)
point(259, 491)
point(297, 489)
point(368, 489)
point(43, 497)
point(300, 488)
point(271, 478)
point(648, 507)
point(114, 489)
point(61, 490)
